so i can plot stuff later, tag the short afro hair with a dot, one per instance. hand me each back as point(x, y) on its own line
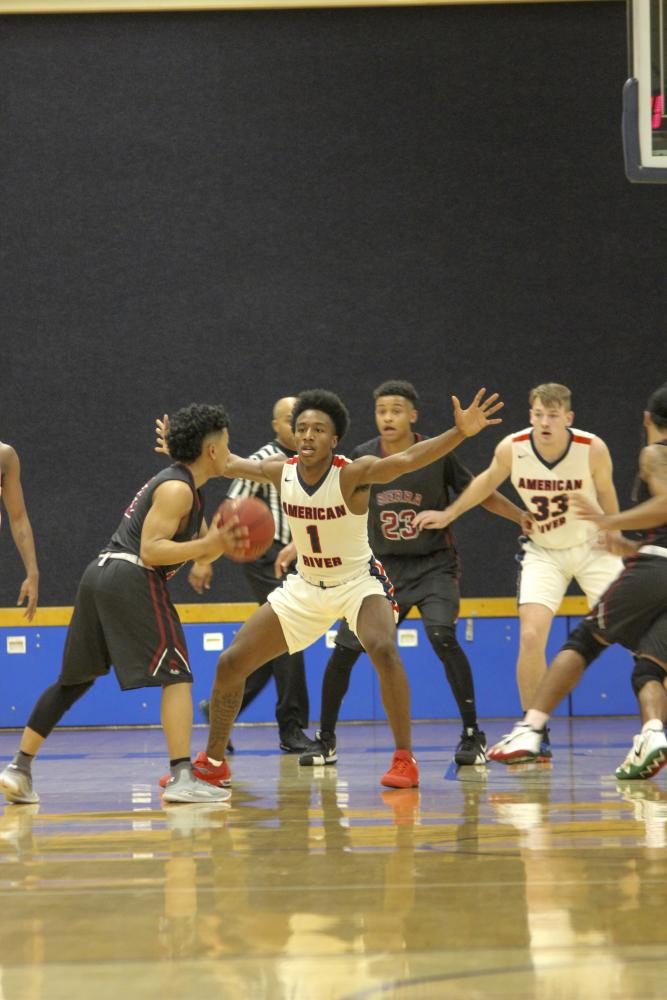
point(397, 387)
point(189, 427)
point(327, 402)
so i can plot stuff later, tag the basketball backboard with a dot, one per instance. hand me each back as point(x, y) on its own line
point(644, 106)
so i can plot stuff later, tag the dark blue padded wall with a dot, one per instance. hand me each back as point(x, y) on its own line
point(238, 205)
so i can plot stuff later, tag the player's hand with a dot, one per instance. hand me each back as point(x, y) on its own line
point(432, 519)
point(161, 431)
point(28, 595)
point(230, 538)
point(478, 415)
point(200, 576)
point(527, 523)
point(588, 510)
point(618, 545)
point(284, 560)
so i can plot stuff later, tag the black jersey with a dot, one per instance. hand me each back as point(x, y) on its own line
point(648, 536)
point(393, 506)
point(127, 536)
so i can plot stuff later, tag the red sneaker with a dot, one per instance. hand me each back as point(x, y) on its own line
point(215, 774)
point(403, 772)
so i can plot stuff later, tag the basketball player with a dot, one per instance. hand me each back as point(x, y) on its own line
point(423, 568)
point(632, 611)
point(548, 462)
point(19, 523)
point(325, 498)
point(292, 708)
point(123, 613)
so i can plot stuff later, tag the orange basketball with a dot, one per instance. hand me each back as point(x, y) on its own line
point(257, 518)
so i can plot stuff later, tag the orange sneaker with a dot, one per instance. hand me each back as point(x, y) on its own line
point(202, 768)
point(403, 772)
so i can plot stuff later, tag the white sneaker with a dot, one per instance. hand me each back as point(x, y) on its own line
point(17, 785)
point(647, 756)
point(523, 743)
point(185, 787)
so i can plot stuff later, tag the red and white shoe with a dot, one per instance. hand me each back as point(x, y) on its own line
point(403, 772)
point(202, 768)
point(522, 744)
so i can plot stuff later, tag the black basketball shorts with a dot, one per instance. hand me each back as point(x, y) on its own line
point(123, 616)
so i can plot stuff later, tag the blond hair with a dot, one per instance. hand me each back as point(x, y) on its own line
point(551, 394)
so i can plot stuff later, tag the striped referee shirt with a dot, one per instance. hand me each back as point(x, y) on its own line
point(265, 491)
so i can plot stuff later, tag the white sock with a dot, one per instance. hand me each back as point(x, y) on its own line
point(217, 763)
point(655, 724)
point(536, 720)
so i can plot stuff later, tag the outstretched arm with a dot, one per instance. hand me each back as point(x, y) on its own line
point(267, 470)
point(500, 505)
point(479, 490)
point(19, 523)
point(367, 469)
point(603, 472)
point(650, 514)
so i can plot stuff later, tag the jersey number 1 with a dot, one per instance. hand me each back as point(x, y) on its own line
point(314, 536)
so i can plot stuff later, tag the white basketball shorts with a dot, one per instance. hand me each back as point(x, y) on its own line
point(546, 573)
point(306, 611)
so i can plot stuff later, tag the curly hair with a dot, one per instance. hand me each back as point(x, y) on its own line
point(327, 402)
point(657, 407)
point(397, 387)
point(189, 426)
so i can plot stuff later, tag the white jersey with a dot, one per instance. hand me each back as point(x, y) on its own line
point(546, 487)
point(331, 542)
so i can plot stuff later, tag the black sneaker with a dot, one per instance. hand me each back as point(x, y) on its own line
point(472, 747)
point(322, 751)
point(294, 740)
point(544, 753)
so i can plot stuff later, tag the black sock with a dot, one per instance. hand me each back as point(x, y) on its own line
point(177, 764)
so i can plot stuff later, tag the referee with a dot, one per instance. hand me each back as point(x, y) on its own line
point(292, 707)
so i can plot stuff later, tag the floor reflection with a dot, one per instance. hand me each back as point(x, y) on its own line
point(542, 880)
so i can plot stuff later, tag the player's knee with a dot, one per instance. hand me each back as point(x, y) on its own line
point(382, 651)
point(229, 664)
point(342, 659)
point(582, 641)
point(442, 637)
point(53, 704)
point(531, 638)
point(646, 671)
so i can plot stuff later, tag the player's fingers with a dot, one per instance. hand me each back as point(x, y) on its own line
point(489, 410)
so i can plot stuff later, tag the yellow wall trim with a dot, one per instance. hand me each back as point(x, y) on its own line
point(471, 607)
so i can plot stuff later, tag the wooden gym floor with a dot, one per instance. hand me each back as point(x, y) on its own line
point(543, 881)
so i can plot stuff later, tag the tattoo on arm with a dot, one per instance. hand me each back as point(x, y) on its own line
point(653, 464)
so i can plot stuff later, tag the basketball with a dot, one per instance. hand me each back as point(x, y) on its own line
point(256, 517)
